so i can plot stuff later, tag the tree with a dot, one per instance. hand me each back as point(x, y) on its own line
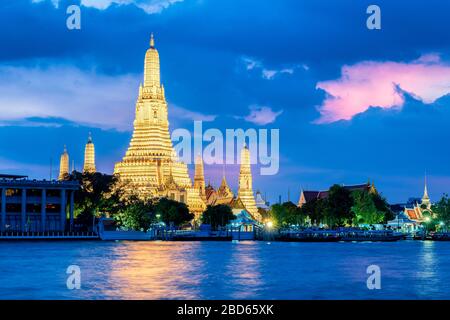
point(286, 214)
point(95, 189)
point(338, 207)
point(314, 210)
point(137, 216)
point(441, 211)
point(217, 216)
point(171, 211)
point(364, 208)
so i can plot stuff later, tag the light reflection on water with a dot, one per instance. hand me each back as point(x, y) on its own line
point(224, 270)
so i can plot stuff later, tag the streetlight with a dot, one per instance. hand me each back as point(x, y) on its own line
point(269, 224)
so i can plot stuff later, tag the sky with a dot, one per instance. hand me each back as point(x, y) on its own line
point(351, 104)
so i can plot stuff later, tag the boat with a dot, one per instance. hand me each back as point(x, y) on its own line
point(309, 236)
point(440, 237)
point(374, 236)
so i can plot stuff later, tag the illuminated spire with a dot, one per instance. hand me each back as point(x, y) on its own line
point(64, 165)
point(152, 41)
point(89, 156)
point(245, 192)
point(151, 68)
point(199, 177)
point(425, 198)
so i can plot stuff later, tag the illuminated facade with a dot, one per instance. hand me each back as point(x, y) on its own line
point(64, 165)
point(419, 211)
point(245, 192)
point(89, 156)
point(199, 178)
point(150, 167)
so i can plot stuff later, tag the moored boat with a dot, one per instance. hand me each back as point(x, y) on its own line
point(374, 236)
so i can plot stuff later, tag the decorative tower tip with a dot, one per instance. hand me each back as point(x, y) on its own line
point(152, 41)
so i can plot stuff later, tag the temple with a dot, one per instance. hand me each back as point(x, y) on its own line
point(89, 157)
point(307, 195)
point(419, 210)
point(245, 192)
point(64, 165)
point(150, 167)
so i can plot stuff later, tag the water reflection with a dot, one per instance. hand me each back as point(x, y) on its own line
point(157, 270)
point(243, 273)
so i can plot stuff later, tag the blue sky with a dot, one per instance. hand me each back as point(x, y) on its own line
point(221, 60)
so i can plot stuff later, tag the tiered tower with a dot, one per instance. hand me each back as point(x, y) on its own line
point(89, 156)
point(199, 177)
point(245, 192)
point(426, 198)
point(64, 165)
point(150, 167)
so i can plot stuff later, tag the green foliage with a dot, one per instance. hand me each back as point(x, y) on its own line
point(137, 216)
point(173, 212)
point(314, 209)
point(338, 205)
point(217, 216)
point(442, 210)
point(286, 214)
point(94, 197)
point(365, 209)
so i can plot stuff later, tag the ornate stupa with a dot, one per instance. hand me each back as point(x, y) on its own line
point(224, 193)
point(199, 178)
point(150, 167)
point(260, 202)
point(64, 165)
point(89, 156)
point(426, 198)
point(245, 192)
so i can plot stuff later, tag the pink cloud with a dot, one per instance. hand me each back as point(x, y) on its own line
point(381, 84)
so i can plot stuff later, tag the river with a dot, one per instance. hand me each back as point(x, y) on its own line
point(223, 270)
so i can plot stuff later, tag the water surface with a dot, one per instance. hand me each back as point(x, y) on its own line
point(224, 270)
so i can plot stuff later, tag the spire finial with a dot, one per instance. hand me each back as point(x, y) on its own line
point(65, 149)
point(152, 41)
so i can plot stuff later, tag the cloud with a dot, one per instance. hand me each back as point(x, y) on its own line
point(65, 92)
point(65, 95)
point(261, 115)
point(268, 74)
point(149, 6)
point(383, 84)
point(182, 113)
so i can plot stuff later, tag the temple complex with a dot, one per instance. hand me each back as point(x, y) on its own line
point(89, 157)
point(150, 167)
point(64, 165)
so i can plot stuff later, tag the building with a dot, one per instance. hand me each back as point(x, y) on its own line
point(199, 178)
point(89, 156)
point(418, 211)
point(306, 196)
point(64, 165)
point(245, 192)
point(150, 167)
point(260, 202)
point(36, 206)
